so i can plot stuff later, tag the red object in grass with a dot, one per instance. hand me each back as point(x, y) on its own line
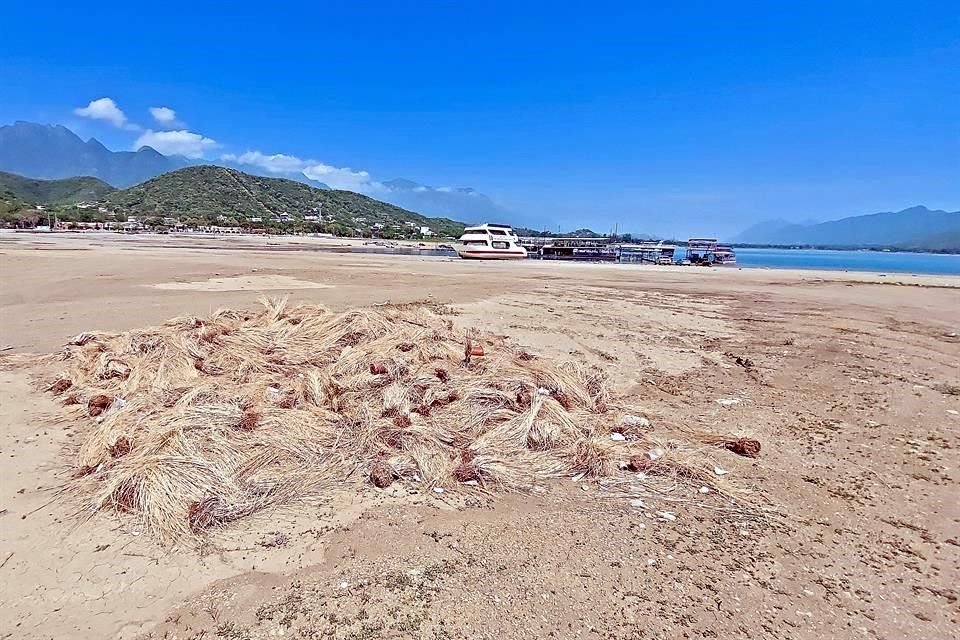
point(476, 350)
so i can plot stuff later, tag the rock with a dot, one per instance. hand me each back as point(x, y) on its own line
point(656, 453)
point(728, 402)
point(617, 437)
point(720, 472)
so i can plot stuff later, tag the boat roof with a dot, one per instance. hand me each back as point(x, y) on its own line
point(485, 226)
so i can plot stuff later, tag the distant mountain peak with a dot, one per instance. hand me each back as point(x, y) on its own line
point(55, 152)
point(148, 150)
point(93, 143)
point(401, 184)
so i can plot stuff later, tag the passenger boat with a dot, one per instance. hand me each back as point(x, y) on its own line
point(706, 251)
point(648, 253)
point(490, 242)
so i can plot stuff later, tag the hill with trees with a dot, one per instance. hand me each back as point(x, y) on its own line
point(66, 191)
point(212, 194)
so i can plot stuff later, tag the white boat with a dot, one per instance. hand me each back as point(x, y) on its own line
point(490, 242)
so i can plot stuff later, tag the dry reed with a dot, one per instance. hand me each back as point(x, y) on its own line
point(202, 421)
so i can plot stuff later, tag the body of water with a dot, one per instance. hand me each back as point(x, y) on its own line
point(879, 261)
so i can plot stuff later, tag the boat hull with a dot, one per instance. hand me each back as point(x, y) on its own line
point(491, 254)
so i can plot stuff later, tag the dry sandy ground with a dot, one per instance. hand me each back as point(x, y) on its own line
point(849, 391)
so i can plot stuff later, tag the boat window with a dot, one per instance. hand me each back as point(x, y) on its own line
point(481, 243)
point(500, 245)
point(497, 232)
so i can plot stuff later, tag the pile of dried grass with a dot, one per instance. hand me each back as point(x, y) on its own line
point(203, 421)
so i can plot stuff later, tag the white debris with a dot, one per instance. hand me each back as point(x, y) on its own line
point(640, 525)
point(953, 412)
point(473, 483)
point(667, 516)
point(438, 489)
point(543, 391)
point(656, 453)
point(637, 502)
point(634, 421)
point(720, 472)
point(617, 437)
point(704, 490)
point(727, 402)
point(344, 585)
point(641, 476)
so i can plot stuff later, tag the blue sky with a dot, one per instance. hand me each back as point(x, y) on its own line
point(694, 118)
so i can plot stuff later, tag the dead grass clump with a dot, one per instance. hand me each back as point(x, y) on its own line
point(59, 386)
point(249, 420)
point(381, 474)
point(744, 447)
point(948, 389)
point(98, 404)
point(747, 447)
point(199, 422)
point(120, 447)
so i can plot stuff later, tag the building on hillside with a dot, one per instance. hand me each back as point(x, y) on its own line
point(426, 231)
point(311, 218)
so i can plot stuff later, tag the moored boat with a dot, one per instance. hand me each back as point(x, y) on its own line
point(706, 251)
point(490, 242)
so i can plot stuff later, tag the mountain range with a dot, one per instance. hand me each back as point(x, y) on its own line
point(54, 152)
point(916, 227)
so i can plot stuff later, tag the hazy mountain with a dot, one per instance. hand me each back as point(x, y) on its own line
point(69, 190)
point(53, 152)
point(208, 191)
point(901, 228)
point(462, 203)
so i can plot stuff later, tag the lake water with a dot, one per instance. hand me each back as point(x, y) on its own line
point(880, 261)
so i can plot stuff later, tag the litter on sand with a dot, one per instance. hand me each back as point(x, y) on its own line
point(728, 402)
point(200, 422)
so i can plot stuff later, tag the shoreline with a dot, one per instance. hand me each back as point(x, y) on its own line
point(356, 247)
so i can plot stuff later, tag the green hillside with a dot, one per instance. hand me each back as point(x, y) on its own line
point(208, 192)
point(66, 191)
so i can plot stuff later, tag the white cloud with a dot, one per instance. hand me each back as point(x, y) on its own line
point(276, 163)
point(106, 109)
point(180, 142)
point(335, 177)
point(165, 116)
point(341, 178)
